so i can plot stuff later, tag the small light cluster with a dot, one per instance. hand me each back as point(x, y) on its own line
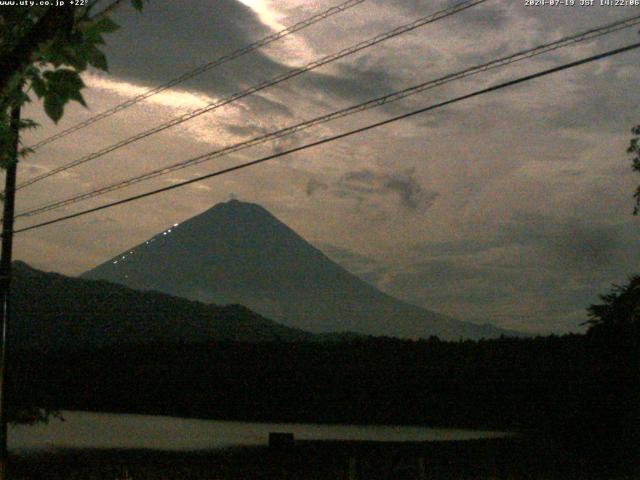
point(131, 252)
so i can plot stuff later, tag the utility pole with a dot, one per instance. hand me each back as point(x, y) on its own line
point(5, 280)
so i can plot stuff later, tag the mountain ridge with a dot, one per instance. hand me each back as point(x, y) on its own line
point(54, 312)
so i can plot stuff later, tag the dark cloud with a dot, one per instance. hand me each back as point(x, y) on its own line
point(171, 38)
point(363, 183)
point(246, 130)
point(285, 143)
point(573, 244)
point(356, 80)
point(485, 17)
point(259, 105)
point(250, 130)
point(411, 194)
point(360, 80)
point(314, 185)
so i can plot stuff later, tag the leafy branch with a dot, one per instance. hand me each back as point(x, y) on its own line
point(47, 48)
point(634, 148)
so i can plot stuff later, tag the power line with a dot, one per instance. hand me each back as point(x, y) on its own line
point(268, 83)
point(201, 69)
point(341, 135)
point(385, 99)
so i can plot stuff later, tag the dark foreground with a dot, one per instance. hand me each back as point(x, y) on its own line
point(513, 458)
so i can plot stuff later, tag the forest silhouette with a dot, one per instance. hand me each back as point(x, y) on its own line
point(581, 390)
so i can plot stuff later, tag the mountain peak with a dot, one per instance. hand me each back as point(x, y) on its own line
point(236, 204)
point(237, 208)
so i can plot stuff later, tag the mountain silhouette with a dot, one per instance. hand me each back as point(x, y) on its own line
point(239, 253)
point(54, 312)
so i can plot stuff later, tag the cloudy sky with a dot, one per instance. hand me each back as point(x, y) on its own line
point(512, 208)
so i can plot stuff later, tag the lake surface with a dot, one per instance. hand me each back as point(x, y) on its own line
point(105, 430)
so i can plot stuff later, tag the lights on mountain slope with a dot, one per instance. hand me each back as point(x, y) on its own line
point(131, 252)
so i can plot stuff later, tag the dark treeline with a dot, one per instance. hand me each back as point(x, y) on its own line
point(578, 385)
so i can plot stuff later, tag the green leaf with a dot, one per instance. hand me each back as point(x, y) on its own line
point(137, 4)
point(38, 85)
point(91, 35)
point(67, 76)
point(77, 96)
point(74, 56)
point(54, 106)
point(98, 59)
point(63, 82)
point(105, 25)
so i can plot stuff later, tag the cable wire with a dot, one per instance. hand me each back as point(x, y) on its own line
point(385, 99)
point(268, 83)
point(200, 70)
point(333, 138)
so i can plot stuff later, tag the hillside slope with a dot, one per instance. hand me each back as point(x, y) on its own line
point(52, 311)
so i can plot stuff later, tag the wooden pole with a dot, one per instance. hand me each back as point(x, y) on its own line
point(6, 251)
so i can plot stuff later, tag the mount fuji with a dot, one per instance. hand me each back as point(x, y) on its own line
point(239, 253)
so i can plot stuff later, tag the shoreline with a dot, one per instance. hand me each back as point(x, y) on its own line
point(92, 430)
point(523, 457)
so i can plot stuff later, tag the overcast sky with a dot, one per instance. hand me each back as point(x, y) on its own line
point(512, 208)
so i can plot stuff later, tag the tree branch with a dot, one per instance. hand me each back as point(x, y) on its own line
point(56, 21)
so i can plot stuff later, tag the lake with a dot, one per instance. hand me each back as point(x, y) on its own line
point(106, 430)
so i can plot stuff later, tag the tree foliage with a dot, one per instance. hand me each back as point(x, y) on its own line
point(43, 50)
point(634, 149)
point(620, 309)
